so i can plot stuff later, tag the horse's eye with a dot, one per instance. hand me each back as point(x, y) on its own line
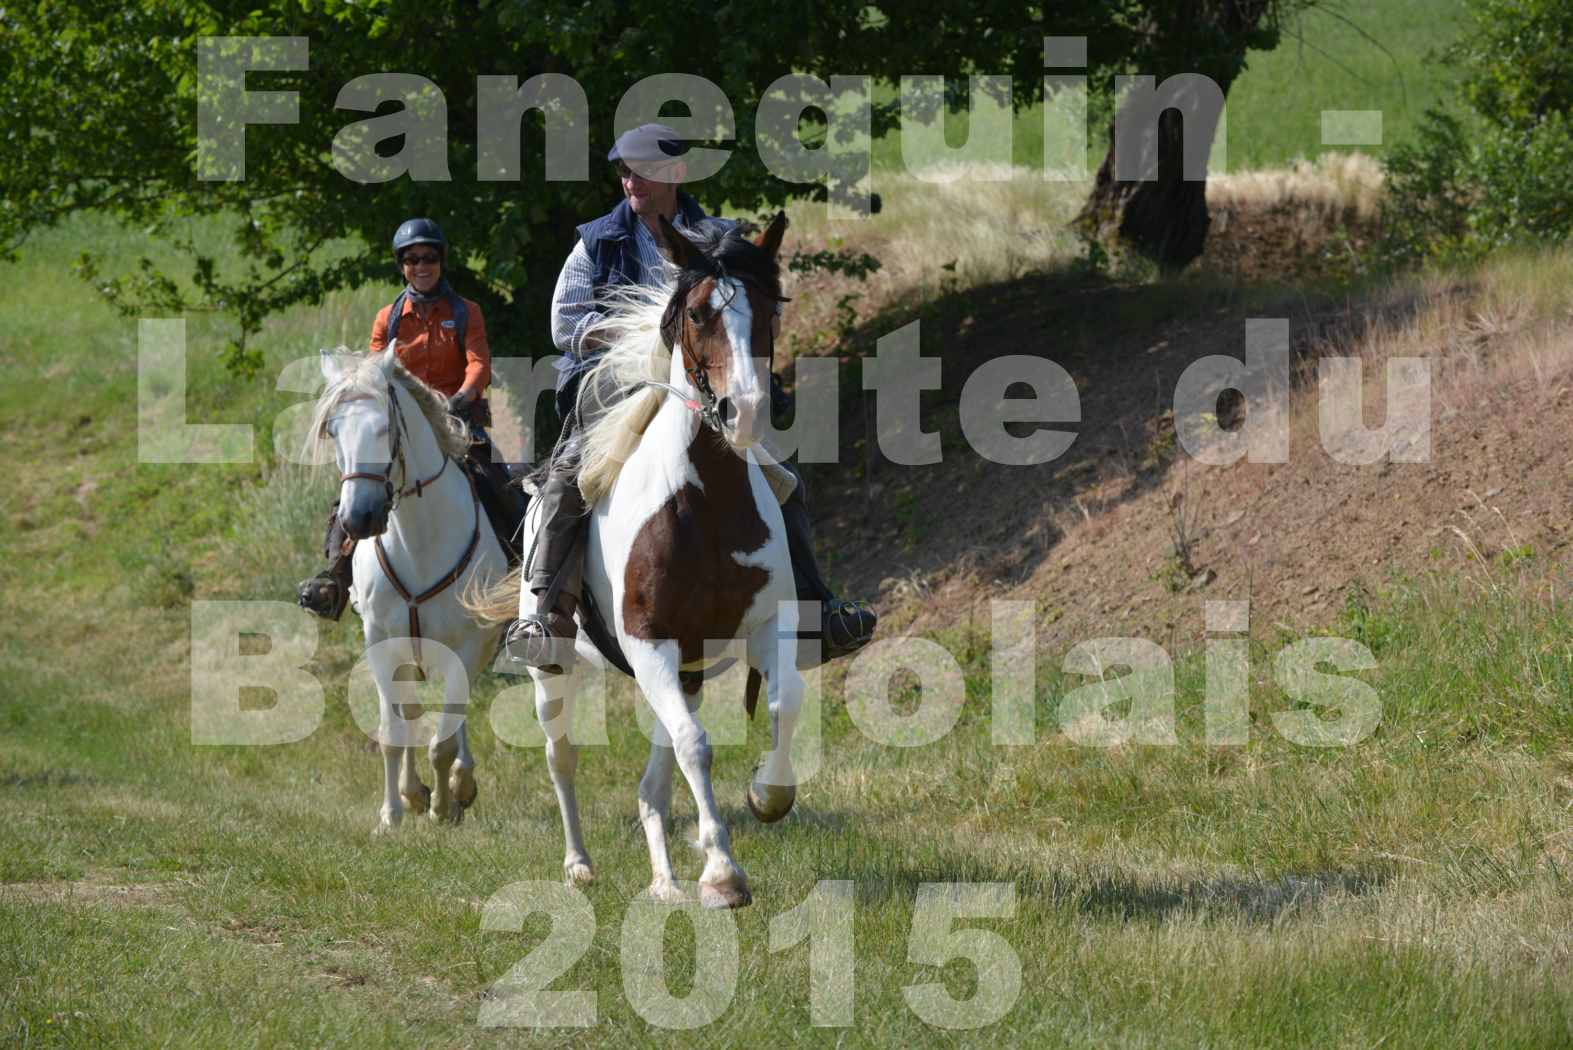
point(693, 315)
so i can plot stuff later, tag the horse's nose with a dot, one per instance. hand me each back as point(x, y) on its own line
point(363, 519)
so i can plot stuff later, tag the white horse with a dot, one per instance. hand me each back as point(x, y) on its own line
point(686, 540)
point(402, 488)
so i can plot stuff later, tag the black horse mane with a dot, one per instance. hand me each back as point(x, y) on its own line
point(725, 251)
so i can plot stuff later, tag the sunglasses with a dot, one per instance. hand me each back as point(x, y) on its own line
point(651, 173)
point(420, 260)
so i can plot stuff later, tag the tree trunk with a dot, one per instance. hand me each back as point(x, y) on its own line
point(1151, 203)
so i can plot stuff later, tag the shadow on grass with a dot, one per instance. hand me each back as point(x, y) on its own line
point(1124, 896)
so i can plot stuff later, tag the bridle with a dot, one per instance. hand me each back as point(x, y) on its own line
point(707, 406)
point(395, 436)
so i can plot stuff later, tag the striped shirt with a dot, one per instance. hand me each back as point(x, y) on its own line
point(574, 307)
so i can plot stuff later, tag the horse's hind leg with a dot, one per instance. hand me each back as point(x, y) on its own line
point(451, 762)
point(416, 795)
point(723, 884)
point(554, 708)
point(655, 803)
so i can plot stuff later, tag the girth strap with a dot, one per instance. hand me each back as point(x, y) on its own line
point(437, 588)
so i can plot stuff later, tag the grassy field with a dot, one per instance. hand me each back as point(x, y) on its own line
point(1414, 889)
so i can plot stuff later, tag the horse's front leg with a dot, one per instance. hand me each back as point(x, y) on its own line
point(774, 786)
point(382, 669)
point(723, 884)
point(554, 695)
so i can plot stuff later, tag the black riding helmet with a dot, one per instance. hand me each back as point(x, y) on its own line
point(418, 231)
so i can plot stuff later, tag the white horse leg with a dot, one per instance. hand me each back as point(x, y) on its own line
point(461, 782)
point(774, 786)
point(723, 884)
point(655, 804)
point(416, 795)
point(554, 708)
point(392, 754)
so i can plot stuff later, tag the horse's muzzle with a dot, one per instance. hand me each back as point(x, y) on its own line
point(365, 519)
point(739, 419)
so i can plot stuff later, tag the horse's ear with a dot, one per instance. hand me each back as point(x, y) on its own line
point(331, 371)
point(680, 248)
point(770, 240)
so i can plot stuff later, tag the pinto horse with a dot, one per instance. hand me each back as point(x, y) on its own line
point(402, 488)
point(686, 538)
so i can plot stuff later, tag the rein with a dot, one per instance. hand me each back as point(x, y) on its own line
point(706, 407)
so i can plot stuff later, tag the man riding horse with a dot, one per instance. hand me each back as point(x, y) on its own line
point(623, 247)
point(440, 338)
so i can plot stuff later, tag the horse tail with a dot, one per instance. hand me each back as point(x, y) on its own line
point(494, 603)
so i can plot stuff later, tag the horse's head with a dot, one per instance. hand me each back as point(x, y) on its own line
point(722, 319)
point(362, 418)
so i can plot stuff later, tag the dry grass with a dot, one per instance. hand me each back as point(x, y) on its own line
point(1334, 186)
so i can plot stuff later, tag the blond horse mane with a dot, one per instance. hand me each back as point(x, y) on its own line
point(635, 352)
point(368, 376)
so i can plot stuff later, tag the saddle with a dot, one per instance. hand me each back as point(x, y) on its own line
point(502, 497)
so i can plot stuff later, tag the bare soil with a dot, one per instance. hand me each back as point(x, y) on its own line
point(1091, 536)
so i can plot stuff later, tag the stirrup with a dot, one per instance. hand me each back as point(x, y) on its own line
point(543, 640)
point(846, 626)
point(324, 595)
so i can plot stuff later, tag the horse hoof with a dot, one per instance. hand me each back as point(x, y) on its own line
point(461, 783)
point(770, 802)
point(417, 803)
point(664, 892)
point(725, 895)
point(578, 874)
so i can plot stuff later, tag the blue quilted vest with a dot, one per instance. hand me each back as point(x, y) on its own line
point(609, 241)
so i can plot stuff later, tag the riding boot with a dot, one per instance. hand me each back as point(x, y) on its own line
point(844, 626)
point(499, 491)
point(326, 593)
point(554, 573)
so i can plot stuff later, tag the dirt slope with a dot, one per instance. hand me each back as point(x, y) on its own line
point(1091, 536)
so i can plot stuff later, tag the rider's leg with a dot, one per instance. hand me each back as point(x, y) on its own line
point(846, 626)
point(554, 574)
point(326, 593)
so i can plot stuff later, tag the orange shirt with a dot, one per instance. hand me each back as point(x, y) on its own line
point(429, 346)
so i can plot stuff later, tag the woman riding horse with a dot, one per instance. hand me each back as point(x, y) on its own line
point(440, 339)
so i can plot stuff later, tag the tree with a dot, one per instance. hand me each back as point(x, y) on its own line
point(1163, 215)
point(103, 103)
point(1490, 169)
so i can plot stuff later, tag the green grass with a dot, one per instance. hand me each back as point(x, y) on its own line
point(1413, 890)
